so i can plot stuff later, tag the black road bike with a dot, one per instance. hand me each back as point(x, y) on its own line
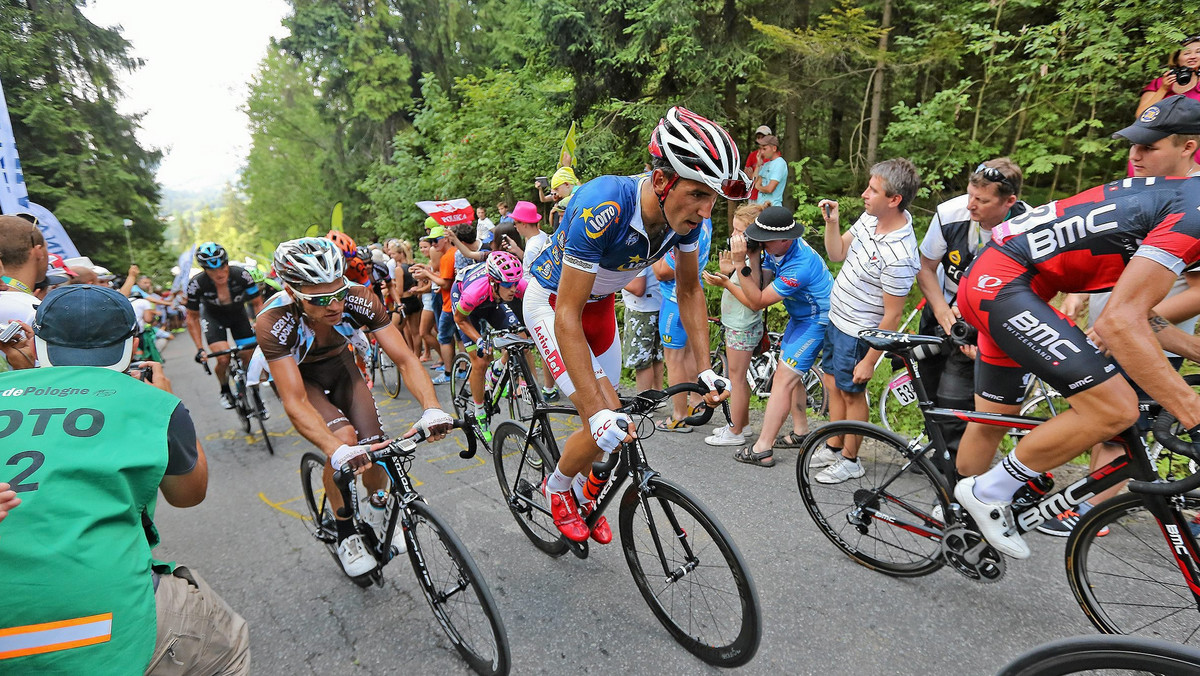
point(683, 561)
point(1116, 655)
point(505, 388)
point(247, 399)
point(449, 577)
point(1131, 560)
point(381, 366)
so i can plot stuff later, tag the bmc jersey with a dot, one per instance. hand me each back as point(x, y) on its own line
point(803, 279)
point(1083, 243)
point(602, 233)
point(201, 289)
point(283, 331)
point(473, 290)
point(667, 287)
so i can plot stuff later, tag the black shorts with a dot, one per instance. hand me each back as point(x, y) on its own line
point(336, 388)
point(215, 320)
point(411, 305)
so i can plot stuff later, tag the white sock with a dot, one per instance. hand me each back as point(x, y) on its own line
point(577, 487)
point(1000, 482)
point(480, 409)
point(558, 482)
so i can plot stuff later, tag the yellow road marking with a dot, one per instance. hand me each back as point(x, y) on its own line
point(285, 510)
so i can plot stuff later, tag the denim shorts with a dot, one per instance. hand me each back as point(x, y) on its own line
point(842, 353)
point(446, 328)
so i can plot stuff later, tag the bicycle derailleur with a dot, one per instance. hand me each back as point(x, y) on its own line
point(965, 550)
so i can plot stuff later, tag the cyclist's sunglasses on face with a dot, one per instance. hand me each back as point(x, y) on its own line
point(507, 285)
point(324, 299)
point(994, 175)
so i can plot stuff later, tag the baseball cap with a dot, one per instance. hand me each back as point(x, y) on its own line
point(769, 140)
point(764, 130)
point(436, 232)
point(1175, 115)
point(85, 325)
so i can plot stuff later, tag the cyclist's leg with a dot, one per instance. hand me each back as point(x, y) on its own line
point(212, 324)
point(998, 389)
point(243, 334)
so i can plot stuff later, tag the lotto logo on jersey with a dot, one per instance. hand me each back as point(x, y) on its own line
point(599, 217)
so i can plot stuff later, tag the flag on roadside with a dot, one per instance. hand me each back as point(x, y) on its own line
point(448, 212)
point(566, 157)
point(185, 269)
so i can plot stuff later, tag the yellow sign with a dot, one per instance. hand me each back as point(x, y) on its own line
point(566, 157)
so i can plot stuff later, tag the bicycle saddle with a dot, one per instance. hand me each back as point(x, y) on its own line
point(894, 341)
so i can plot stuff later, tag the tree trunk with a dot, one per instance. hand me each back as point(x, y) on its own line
point(837, 115)
point(791, 145)
point(877, 93)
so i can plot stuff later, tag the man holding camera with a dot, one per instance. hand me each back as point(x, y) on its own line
point(81, 592)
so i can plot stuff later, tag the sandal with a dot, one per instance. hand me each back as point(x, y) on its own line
point(670, 424)
point(790, 440)
point(747, 455)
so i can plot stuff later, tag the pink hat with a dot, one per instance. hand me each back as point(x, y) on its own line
point(525, 212)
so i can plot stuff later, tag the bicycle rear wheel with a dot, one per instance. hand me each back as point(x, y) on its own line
point(240, 403)
point(885, 519)
point(456, 591)
point(1127, 581)
point(1106, 654)
point(690, 573)
point(261, 409)
point(521, 472)
point(389, 374)
point(460, 388)
point(814, 384)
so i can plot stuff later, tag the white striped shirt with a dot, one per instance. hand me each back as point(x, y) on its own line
point(875, 264)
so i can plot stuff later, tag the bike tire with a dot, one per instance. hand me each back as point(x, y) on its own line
point(389, 375)
point(716, 361)
point(879, 543)
point(1128, 582)
point(460, 387)
point(515, 474)
point(240, 403)
point(456, 591)
point(520, 398)
point(814, 386)
point(717, 580)
point(1098, 654)
point(260, 406)
point(320, 513)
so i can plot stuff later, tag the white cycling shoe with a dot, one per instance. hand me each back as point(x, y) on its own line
point(994, 520)
point(355, 558)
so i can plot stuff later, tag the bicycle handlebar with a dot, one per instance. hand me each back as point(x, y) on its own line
point(233, 350)
point(645, 401)
point(393, 448)
point(1170, 441)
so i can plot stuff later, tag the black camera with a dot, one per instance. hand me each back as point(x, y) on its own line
point(1183, 75)
point(751, 245)
point(542, 181)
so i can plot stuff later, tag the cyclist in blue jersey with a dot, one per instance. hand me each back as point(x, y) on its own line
point(614, 227)
point(787, 270)
point(674, 338)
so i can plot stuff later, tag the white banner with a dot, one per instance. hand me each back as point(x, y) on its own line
point(57, 240)
point(185, 269)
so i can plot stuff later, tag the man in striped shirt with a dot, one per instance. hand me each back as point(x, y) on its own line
point(881, 262)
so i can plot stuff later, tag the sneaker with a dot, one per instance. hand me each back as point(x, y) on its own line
point(993, 520)
point(355, 558)
point(438, 367)
point(370, 384)
point(601, 532)
point(824, 457)
point(550, 395)
point(441, 380)
point(1064, 523)
point(937, 513)
point(533, 459)
point(725, 436)
point(844, 469)
point(226, 400)
point(566, 514)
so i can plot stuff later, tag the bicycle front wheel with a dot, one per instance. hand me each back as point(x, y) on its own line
point(460, 388)
point(887, 519)
point(521, 471)
point(456, 591)
point(1127, 581)
point(389, 374)
point(690, 573)
point(1106, 654)
point(320, 513)
point(261, 412)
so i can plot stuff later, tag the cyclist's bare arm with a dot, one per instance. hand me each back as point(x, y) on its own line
point(187, 490)
point(307, 421)
point(193, 327)
point(1126, 333)
point(574, 287)
point(928, 282)
point(693, 309)
point(415, 375)
point(463, 322)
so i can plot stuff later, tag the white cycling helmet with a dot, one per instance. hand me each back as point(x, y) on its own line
point(700, 150)
point(309, 260)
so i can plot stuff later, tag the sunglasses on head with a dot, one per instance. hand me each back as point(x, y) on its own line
point(1187, 41)
point(994, 175)
point(324, 299)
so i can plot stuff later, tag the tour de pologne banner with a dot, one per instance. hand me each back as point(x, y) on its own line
point(14, 197)
point(449, 212)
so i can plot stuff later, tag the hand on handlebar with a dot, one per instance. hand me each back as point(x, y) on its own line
point(718, 387)
point(607, 431)
point(201, 356)
point(434, 424)
point(358, 457)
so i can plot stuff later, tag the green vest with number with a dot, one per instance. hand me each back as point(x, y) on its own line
point(85, 448)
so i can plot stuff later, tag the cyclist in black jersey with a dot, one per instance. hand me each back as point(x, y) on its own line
point(215, 301)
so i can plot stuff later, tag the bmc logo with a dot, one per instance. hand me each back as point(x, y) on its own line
point(1042, 334)
point(1044, 242)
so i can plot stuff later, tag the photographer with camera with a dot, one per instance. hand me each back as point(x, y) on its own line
point(1182, 78)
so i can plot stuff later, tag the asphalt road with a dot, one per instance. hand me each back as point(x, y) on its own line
point(822, 613)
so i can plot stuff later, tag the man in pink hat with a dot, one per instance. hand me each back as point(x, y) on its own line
point(526, 217)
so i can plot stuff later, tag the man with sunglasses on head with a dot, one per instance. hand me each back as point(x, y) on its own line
point(614, 227)
point(960, 228)
point(322, 392)
point(216, 300)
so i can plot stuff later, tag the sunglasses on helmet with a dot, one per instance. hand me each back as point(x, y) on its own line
point(324, 299)
point(735, 189)
point(994, 175)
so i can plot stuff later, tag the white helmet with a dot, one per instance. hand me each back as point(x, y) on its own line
point(700, 150)
point(309, 260)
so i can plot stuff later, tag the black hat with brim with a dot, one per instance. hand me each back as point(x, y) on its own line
point(1174, 115)
point(774, 223)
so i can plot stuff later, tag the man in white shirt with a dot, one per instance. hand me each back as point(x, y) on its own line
point(483, 225)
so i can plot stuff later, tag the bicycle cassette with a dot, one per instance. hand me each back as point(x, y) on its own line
point(967, 552)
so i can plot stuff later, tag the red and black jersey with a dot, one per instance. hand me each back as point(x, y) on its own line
point(1083, 243)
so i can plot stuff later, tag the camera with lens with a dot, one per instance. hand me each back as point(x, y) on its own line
point(11, 332)
point(1183, 75)
point(751, 245)
point(543, 182)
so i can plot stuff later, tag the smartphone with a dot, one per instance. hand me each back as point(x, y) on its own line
point(10, 331)
point(543, 181)
point(827, 209)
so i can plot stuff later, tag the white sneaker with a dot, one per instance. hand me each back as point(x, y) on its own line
point(824, 457)
point(724, 436)
point(355, 558)
point(842, 470)
point(994, 520)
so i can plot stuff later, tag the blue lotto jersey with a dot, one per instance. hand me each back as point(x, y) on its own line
point(667, 288)
point(803, 279)
point(602, 233)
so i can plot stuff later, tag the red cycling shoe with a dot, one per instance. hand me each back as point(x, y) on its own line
point(566, 515)
point(601, 532)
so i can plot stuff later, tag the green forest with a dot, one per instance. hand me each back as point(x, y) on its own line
point(381, 103)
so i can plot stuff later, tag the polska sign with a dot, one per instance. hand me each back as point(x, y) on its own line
point(449, 212)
